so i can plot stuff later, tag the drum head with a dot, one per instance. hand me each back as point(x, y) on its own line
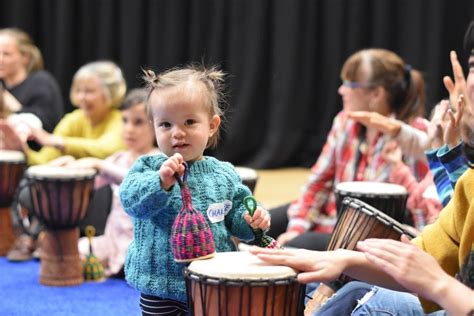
point(49, 172)
point(240, 265)
point(353, 188)
point(11, 156)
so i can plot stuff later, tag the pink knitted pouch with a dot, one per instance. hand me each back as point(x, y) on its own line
point(191, 237)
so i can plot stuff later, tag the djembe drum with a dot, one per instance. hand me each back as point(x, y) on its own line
point(238, 283)
point(12, 166)
point(357, 221)
point(249, 177)
point(60, 198)
point(389, 198)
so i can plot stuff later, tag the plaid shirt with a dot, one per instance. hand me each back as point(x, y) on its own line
point(340, 161)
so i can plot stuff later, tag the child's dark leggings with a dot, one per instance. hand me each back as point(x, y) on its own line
point(153, 305)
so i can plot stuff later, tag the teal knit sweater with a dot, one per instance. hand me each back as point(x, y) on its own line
point(150, 266)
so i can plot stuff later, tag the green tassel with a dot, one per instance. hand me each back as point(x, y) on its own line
point(92, 267)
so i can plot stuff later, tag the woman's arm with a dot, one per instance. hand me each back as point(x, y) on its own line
point(324, 266)
point(419, 272)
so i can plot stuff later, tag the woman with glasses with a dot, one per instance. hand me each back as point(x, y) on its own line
point(374, 80)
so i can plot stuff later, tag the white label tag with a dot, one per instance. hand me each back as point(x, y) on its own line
point(217, 211)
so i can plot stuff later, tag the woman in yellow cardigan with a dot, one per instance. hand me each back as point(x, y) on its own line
point(92, 130)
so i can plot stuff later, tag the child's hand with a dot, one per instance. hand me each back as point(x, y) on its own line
point(172, 165)
point(259, 220)
point(452, 129)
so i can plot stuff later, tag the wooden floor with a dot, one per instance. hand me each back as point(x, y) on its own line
point(278, 186)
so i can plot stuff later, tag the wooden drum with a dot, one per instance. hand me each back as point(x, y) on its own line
point(12, 166)
point(60, 198)
point(358, 221)
point(389, 198)
point(238, 283)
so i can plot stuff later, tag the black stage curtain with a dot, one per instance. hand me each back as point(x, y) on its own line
point(282, 57)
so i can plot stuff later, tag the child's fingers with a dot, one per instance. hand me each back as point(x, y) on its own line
point(247, 218)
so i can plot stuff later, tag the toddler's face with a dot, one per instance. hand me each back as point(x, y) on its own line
point(183, 123)
point(138, 133)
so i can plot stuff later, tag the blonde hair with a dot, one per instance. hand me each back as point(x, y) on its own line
point(27, 47)
point(209, 80)
point(405, 86)
point(110, 77)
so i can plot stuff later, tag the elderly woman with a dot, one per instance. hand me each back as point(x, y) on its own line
point(93, 130)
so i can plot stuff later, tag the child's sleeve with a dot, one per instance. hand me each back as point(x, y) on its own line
point(234, 220)
point(140, 192)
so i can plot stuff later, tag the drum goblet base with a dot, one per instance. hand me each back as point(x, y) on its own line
point(60, 261)
point(7, 237)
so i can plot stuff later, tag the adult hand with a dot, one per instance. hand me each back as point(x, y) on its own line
point(383, 124)
point(413, 268)
point(313, 265)
point(42, 137)
point(9, 138)
point(84, 163)
point(61, 161)
point(287, 236)
point(10, 103)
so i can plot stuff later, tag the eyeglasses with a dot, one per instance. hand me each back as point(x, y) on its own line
point(356, 85)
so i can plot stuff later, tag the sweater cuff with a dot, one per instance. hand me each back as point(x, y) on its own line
point(445, 155)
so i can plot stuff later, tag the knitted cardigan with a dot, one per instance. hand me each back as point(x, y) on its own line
point(150, 266)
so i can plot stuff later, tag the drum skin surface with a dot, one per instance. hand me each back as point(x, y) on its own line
point(238, 283)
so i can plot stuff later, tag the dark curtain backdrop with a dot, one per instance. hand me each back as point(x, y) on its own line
point(282, 57)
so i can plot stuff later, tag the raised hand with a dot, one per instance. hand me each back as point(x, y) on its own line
point(452, 128)
point(458, 86)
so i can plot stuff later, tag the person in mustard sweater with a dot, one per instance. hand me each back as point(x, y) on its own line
point(438, 265)
point(92, 130)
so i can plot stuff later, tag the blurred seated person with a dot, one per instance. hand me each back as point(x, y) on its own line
point(30, 95)
point(374, 80)
point(93, 130)
point(139, 138)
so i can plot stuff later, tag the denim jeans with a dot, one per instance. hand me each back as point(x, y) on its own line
point(358, 298)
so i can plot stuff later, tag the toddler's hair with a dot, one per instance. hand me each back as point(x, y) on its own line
point(210, 81)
